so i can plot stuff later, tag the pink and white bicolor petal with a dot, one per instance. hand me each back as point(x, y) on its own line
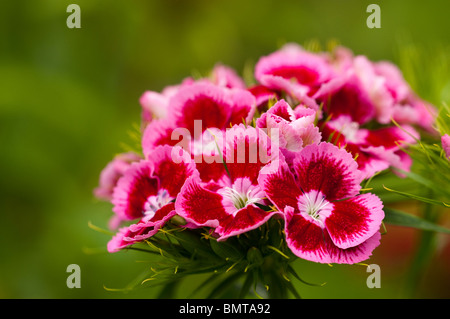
point(352, 221)
point(246, 151)
point(150, 184)
point(326, 168)
point(132, 190)
point(248, 218)
point(346, 95)
point(172, 166)
point(280, 186)
point(309, 241)
point(144, 229)
point(112, 172)
point(279, 69)
point(199, 205)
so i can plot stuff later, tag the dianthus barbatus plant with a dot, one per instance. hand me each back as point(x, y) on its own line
point(239, 180)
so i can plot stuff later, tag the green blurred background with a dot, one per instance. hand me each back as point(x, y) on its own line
point(69, 98)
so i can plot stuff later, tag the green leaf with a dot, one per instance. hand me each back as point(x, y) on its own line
point(419, 198)
point(400, 218)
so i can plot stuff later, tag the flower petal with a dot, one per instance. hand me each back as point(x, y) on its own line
point(309, 241)
point(346, 96)
point(157, 133)
point(199, 205)
point(140, 231)
point(112, 172)
point(325, 167)
point(133, 189)
point(280, 187)
point(246, 219)
point(246, 151)
point(172, 166)
point(353, 221)
point(278, 69)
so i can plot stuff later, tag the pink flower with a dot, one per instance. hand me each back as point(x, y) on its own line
point(374, 150)
point(445, 140)
point(155, 105)
point(346, 95)
point(230, 205)
point(293, 129)
point(225, 76)
point(294, 71)
point(204, 104)
point(147, 191)
point(112, 172)
point(326, 220)
point(263, 95)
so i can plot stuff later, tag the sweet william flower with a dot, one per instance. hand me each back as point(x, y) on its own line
point(294, 71)
point(375, 150)
point(231, 205)
point(147, 191)
point(326, 220)
point(213, 106)
point(295, 127)
point(155, 105)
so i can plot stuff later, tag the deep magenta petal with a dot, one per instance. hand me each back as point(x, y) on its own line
point(326, 168)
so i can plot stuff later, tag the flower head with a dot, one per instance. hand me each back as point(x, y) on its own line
point(146, 192)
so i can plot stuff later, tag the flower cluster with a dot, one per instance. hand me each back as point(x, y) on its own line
point(295, 146)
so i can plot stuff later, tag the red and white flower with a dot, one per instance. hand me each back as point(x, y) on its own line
point(146, 192)
point(212, 106)
point(375, 150)
point(326, 220)
point(230, 205)
point(294, 71)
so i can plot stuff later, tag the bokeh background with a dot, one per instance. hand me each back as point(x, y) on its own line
point(69, 100)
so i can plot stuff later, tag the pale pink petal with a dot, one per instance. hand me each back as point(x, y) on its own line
point(376, 87)
point(445, 140)
point(225, 76)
